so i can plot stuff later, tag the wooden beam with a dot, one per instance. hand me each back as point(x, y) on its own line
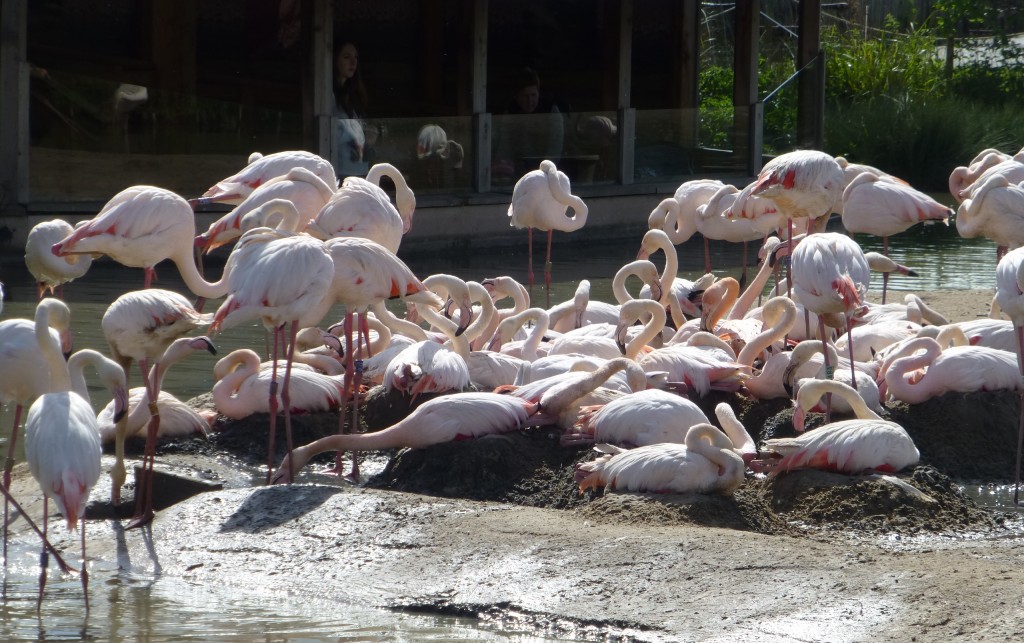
point(745, 115)
point(481, 118)
point(810, 111)
point(626, 115)
point(14, 104)
point(687, 70)
point(321, 83)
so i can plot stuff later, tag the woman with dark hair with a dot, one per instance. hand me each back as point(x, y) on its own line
point(351, 156)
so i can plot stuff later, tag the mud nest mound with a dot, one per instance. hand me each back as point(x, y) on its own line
point(960, 437)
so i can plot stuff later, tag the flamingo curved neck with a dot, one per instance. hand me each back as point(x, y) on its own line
point(398, 325)
point(243, 366)
point(53, 313)
point(811, 392)
point(895, 375)
point(652, 327)
point(774, 331)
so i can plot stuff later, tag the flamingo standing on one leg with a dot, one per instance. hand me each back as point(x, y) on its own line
point(994, 210)
point(883, 207)
point(262, 169)
point(280, 280)
point(541, 199)
point(50, 271)
point(62, 447)
point(830, 278)
point(1010, 296)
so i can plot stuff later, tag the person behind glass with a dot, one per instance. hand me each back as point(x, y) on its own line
point(351, 143)
point(533, 140)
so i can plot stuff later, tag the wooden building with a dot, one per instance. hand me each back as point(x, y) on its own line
point(102, 94)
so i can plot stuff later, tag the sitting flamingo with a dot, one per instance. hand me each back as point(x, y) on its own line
point(705, 463)
point(849, 446)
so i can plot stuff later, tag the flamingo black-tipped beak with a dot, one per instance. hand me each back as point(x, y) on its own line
point(120, 403)
point(204, 342)
point(333, 342)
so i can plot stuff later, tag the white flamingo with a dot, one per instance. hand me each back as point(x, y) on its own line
point(848, 446)
point(541, 199)
point(262, 169)
point(706, 463)
point(49, 270)
point(1010, 297)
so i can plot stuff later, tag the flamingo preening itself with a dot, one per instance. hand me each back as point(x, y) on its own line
point(541, 199)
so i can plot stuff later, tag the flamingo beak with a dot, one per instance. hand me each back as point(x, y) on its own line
point(203, 343)
point(120, 403)
point(465, 317)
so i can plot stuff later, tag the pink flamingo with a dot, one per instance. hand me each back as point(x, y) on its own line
point(1010, 297)
point(242, 383)
point(961, 177)
point(360, 208)
point(830, 278)
point(882, 207)
point(541, 199)
point(714, 223)
point(963, 369)
point(442, 419)
point(994, 210)
point(849, 446)
point(676, 215)
point(1011, 168)
point(281, 280)
point(62, 447)
point(48, 270)
point(262, 169)
point(706, 463)
point(687, 293)
point(140, 227)
point(306, 191)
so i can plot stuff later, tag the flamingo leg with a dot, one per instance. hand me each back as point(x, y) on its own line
point(286, 400)
point(346, 386)
point(357, 382)
point(828, 367)
point(743, 274)
point(707, 256)
point(885, 275)
point(64, 567)
point(1019, 328)
point(44, 556)
point(85, 567)
point(272, 407)
point(849, 346)
point(144, 486)
point(8, 466)
point(150, 277)
point(547, 270)
point(529, 258)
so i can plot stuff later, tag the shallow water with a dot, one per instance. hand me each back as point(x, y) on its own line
point(130, 608)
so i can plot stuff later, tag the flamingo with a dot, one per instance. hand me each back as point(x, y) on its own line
point(500, 288)
point(961, 177)
point(1010, 297)
point(804, 183)
point(640, 418)
point(140, 227)
point(961, 369)
point(242, 383)
point(541, 199)
point(778, 316)
point(713, 223)
point(62, 447)
point(360, 208)
point(705, 463)
point(676, 214)
point(48, 270)
point(1011, 168)
point(994, 210)
point(873, 205)
point(802, 354)
point(262, 169)
point(300, 187)
point(853, 170)
point(443, 419)
point(140, 325)
point(284, 277)
point(913, 309)
point(849, 446)
point(687, 293)
point(830, 277)
point(564, 395)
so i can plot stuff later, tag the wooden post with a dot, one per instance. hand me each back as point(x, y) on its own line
point(687, 74)
point(322, 78)
point(810, 109)
point(14, 103)
point(747, 28)
point(481, 117)
point(626, 116)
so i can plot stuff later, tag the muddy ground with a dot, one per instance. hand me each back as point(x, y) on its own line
point(496, 528)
